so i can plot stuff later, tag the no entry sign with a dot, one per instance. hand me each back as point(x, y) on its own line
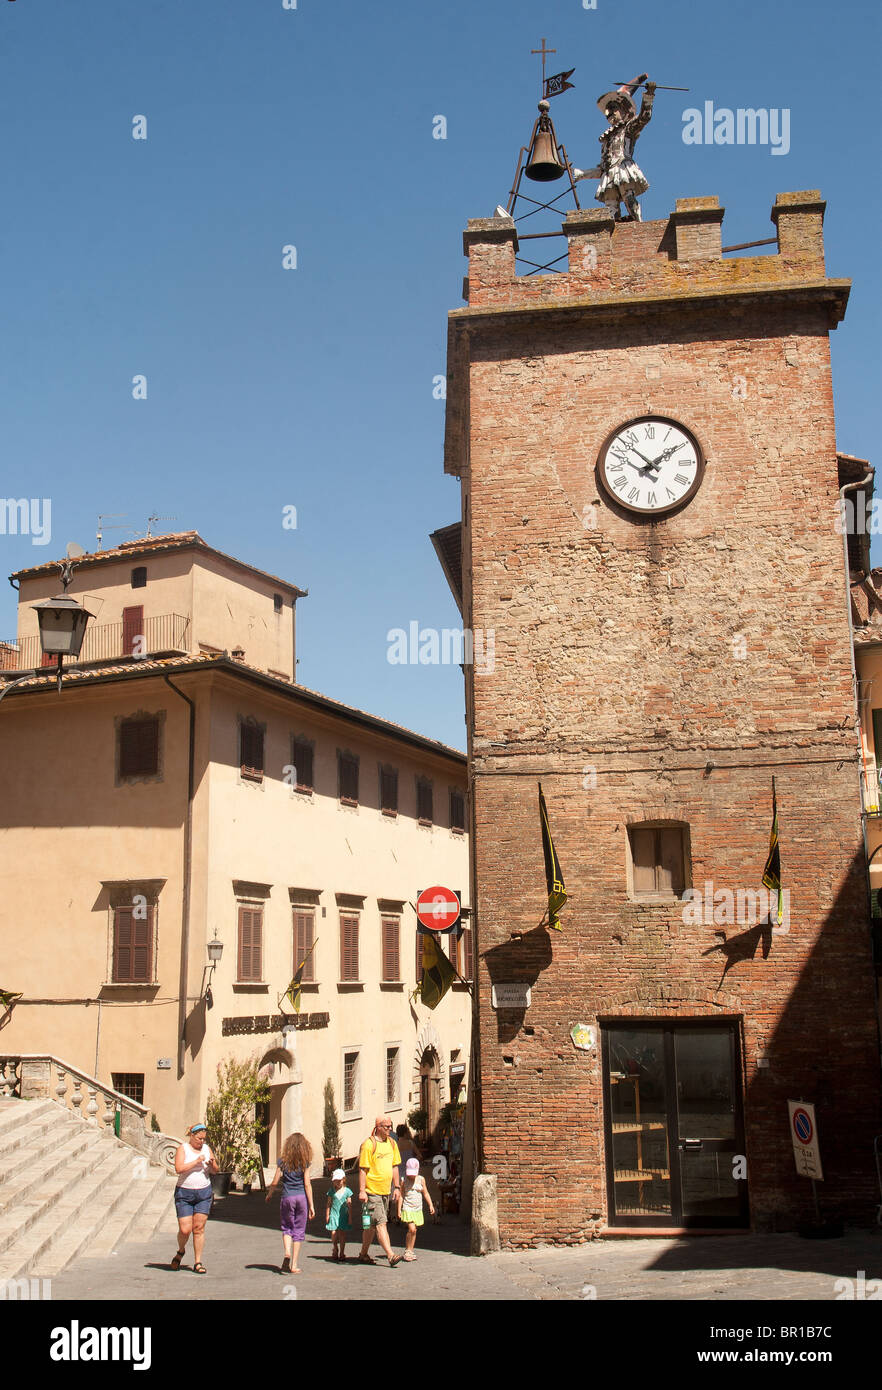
point(438, 909)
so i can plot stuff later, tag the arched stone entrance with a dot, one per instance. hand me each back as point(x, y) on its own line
point(284, 1112)
point(430, 1088)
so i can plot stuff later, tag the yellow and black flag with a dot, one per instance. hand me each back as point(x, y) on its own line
point(437, 974)
point(292, 993)
point(772, 871)
point(557, 895)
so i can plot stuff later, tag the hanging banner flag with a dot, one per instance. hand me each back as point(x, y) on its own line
point(772, 871)
point(292, 993)
point(554, 881)
point(437, 974)
point(557, 84)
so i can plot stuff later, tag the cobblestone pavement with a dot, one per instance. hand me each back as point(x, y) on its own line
point(243, 1250)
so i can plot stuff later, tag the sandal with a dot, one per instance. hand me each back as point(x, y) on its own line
point(176, 1262)
point(199, 1269)
point(395, 1260)
point(409, 1258)
point(366, 1260)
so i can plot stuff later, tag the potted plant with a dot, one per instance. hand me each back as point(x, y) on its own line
point(231, 1123)
point(332, 1144)
point(418, 1122)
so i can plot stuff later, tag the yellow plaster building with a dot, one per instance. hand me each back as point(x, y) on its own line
point(183, 787)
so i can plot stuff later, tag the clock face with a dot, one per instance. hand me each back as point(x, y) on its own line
point(651, 465)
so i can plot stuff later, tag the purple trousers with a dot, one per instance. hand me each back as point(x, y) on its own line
point(294, 1210)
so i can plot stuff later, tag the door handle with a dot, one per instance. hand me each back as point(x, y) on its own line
point(691, 1145)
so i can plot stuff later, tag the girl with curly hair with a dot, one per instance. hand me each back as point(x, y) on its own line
point(293, 1173)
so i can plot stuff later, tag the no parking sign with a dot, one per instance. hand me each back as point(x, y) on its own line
point(804, 1133)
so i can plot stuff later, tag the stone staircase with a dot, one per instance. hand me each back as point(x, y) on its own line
point(69, 1188)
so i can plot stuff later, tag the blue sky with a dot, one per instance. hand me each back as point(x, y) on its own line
point(312, 387)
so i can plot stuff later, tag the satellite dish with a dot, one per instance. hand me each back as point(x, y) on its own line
point(74, 551)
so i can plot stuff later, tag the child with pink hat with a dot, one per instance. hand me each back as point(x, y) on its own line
point(410, 1197)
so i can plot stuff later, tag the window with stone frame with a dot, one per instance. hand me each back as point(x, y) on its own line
point(133, 944)
point(129, 1083)
point(457, 810)
point(351, 1083)
point(393, 1076)
point(251, 749)
point(138, 746)
point(390, 928)
point(302, 750)
point(425, 809)
point(347, 778)
point(349, 947)
point(389, 791)
point(659, 859)
point(250, 943)
point(304, 940)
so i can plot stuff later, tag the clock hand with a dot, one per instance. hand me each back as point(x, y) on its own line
point(649, 462)
point(666, 454)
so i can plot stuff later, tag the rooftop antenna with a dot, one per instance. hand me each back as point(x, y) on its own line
point(99, 535)
point(151, 520)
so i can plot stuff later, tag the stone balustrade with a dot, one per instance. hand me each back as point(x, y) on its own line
point(32, 1075)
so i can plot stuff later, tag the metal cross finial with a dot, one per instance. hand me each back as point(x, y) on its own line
point(544, 51)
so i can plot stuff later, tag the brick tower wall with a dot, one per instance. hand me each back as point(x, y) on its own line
point(628, 656)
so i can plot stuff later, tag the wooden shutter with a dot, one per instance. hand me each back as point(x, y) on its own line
point(251, 749)
point(304, 927)
point(464, 965)
point(643, 860)
point(424, 801)
point(303, 764)
point(391, 963)
point(133, 626)
point(138, 747)
point(348, 778)
point(250, 942)
point(132, 946)
point(388, 789)
point(669, 877)
point(457, 811)
point(348, 947)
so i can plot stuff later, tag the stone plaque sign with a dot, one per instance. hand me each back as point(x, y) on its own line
point(510, 996)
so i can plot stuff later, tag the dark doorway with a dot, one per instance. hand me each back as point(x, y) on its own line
point(674, 1125)
point(262, 1115)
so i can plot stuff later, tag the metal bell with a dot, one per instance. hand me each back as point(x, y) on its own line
point(543, 164)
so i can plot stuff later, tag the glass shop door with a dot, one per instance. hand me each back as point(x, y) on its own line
point(674, 1131)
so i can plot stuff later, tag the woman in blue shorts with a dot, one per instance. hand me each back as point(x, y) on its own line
point(194, 1163)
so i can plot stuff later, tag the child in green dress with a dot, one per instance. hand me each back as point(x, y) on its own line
point(338, 1213)
point(410, 1197)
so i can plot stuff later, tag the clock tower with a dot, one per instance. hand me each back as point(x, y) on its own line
point(648, 461)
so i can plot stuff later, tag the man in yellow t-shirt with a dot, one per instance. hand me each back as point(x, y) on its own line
point(378, 1165)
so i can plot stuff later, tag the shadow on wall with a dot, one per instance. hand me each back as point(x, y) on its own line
point(519, 961)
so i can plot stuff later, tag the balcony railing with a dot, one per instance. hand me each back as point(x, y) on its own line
point(106, 642)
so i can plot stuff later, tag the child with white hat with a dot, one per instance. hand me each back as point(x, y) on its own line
point(338, 1213)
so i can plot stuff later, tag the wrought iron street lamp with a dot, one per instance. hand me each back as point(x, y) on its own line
point(62, 622)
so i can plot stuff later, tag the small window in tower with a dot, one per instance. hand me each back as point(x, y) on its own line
point(658, 860)
point(139, 577)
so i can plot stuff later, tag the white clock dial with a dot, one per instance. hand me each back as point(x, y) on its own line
point(651, 465)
